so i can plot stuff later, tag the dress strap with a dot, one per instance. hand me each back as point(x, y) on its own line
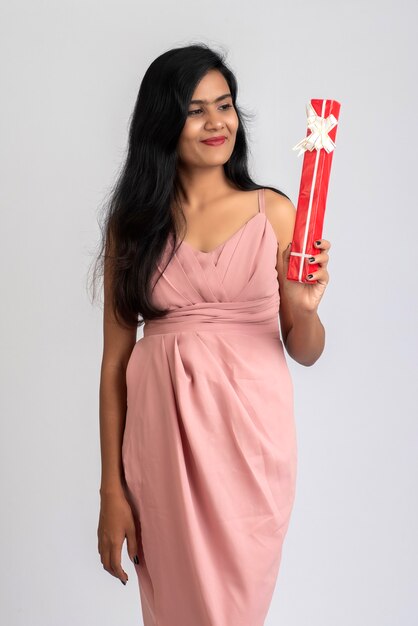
point(261, 201)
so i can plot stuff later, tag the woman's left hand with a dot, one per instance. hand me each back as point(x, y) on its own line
point(303, 296)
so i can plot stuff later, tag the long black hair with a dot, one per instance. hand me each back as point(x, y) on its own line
point(137, 216)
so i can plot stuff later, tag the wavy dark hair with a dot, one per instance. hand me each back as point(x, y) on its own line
point(137, 217)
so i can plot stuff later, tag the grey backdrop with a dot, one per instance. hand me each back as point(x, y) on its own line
point(70, 76)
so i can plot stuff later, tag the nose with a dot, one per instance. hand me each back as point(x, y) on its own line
point(214, 120)
point(215, 124)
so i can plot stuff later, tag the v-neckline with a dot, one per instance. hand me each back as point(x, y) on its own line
point(221, 245)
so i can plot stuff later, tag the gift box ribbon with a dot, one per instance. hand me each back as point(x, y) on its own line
point(319, 127)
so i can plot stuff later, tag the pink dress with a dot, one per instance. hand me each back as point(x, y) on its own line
point(209, 449)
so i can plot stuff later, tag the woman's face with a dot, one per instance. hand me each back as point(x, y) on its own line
point(211, 118)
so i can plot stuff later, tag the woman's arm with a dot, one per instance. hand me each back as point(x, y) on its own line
point(116, 518)
point(303, 333)
point(118, 343)
point(306, 338)
point(112, 424)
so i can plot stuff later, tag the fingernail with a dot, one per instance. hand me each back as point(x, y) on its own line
point(136, 560)
point(311, 259)
point(317, 242)
point(123, 582)
point(309, 275)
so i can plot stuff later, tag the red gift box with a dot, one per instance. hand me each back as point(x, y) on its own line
point(318, 148)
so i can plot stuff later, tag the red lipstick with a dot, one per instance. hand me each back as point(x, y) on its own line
point(215, 141)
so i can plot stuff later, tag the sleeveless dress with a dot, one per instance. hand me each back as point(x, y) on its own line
point(209, 448)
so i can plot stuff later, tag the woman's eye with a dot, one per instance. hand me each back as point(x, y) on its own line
point(228, 106)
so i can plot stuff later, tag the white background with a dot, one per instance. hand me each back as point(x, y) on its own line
point(70, 73)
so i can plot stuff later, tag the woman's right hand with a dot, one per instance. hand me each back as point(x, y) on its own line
point(115, 523)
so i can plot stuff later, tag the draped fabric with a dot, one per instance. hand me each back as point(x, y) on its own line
point(209, 448)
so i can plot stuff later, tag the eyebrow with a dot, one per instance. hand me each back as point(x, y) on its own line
point(225, 95)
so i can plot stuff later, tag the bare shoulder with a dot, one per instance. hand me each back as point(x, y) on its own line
point(281, 213)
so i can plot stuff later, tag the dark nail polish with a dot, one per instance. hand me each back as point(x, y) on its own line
point(136, 560)
point(311, 259)
point(123, 582)
point(310, 275)
point(318, 242)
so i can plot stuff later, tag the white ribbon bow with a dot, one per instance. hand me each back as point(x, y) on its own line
point(319, 127)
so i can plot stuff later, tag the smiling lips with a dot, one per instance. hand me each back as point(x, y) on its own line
point(215, 141)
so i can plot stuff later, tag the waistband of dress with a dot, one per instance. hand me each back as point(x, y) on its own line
point(163, 326)
point(254, 317)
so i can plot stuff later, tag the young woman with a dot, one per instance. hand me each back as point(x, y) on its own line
point(197, 426)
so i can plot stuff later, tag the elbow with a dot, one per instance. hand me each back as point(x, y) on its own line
point(312, 360)
point(303, 359)
point(307, 363)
